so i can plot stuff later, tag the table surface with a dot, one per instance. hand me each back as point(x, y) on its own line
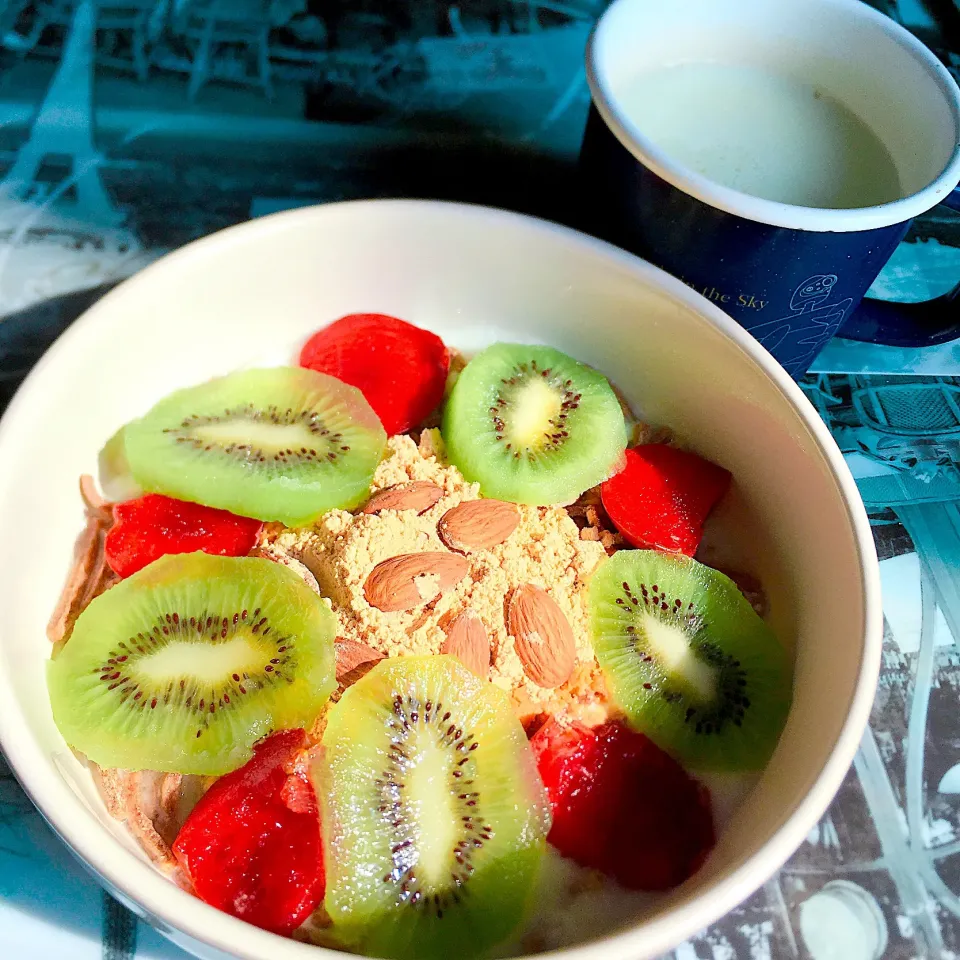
point(124, 135)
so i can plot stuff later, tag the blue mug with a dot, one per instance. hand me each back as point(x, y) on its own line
point(794, 276)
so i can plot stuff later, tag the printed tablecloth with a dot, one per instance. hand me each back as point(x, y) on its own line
point(129, 129)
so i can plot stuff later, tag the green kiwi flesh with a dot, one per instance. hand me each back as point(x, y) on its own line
point(283, 443)
point(183, 666)
point(688, 660)
point(116, 480)
point(434, 816)
point(532, 425)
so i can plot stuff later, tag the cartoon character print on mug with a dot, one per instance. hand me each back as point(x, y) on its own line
point(813, 319)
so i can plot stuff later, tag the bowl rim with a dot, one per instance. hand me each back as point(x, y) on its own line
point(172, 910)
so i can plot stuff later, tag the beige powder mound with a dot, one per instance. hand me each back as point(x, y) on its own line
point(341, 550)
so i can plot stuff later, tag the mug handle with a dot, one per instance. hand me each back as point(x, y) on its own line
point(924, 324)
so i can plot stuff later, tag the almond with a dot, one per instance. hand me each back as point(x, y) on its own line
point(542, 636)
point(407, 581)
point(468, 641)
point(419, 495)
point(478, 524)
point(351, 655)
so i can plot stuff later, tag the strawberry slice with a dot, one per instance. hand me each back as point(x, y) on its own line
point(154, 525)
point(252, 845)
point(623, 806)
point(399, 368)
point(662, 496)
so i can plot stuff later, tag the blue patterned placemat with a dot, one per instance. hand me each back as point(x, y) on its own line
point(124, 133)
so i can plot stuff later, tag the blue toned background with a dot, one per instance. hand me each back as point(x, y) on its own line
point(128, 129)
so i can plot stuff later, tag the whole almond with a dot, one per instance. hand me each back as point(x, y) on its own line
point(407, 581)
point(468, 641)
point(351, 655)
point(478, 524)
point(542, 636)
point(418, 495)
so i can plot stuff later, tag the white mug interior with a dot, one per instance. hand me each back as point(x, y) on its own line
point(851, 51)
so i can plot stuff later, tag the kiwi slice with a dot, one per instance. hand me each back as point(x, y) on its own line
point(434, 815)
point(688, 659)
point(183, 666)
point(281, 444)
point(532, 425)
point(116, 480)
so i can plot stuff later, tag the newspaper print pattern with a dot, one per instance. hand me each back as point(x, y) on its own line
point(93, 186)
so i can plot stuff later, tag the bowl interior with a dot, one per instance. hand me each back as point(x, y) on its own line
point(250, 296)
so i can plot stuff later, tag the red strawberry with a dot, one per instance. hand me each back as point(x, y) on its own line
point(662, 496)
point(399, 368)
point(152, 526)
point(249, 850)
point(622, 805)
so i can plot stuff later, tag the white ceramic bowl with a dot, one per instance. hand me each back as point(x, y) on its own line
point(251, 294)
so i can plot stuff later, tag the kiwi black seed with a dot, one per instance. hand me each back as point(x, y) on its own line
point(435, 815)
point(532, 425)
point(323, 444)
point(410, 714)
point(688, 659)
point(185, 665)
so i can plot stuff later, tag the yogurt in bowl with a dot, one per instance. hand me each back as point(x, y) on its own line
point(473, 277)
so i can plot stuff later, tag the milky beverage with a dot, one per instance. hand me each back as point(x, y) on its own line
point(767, 134)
